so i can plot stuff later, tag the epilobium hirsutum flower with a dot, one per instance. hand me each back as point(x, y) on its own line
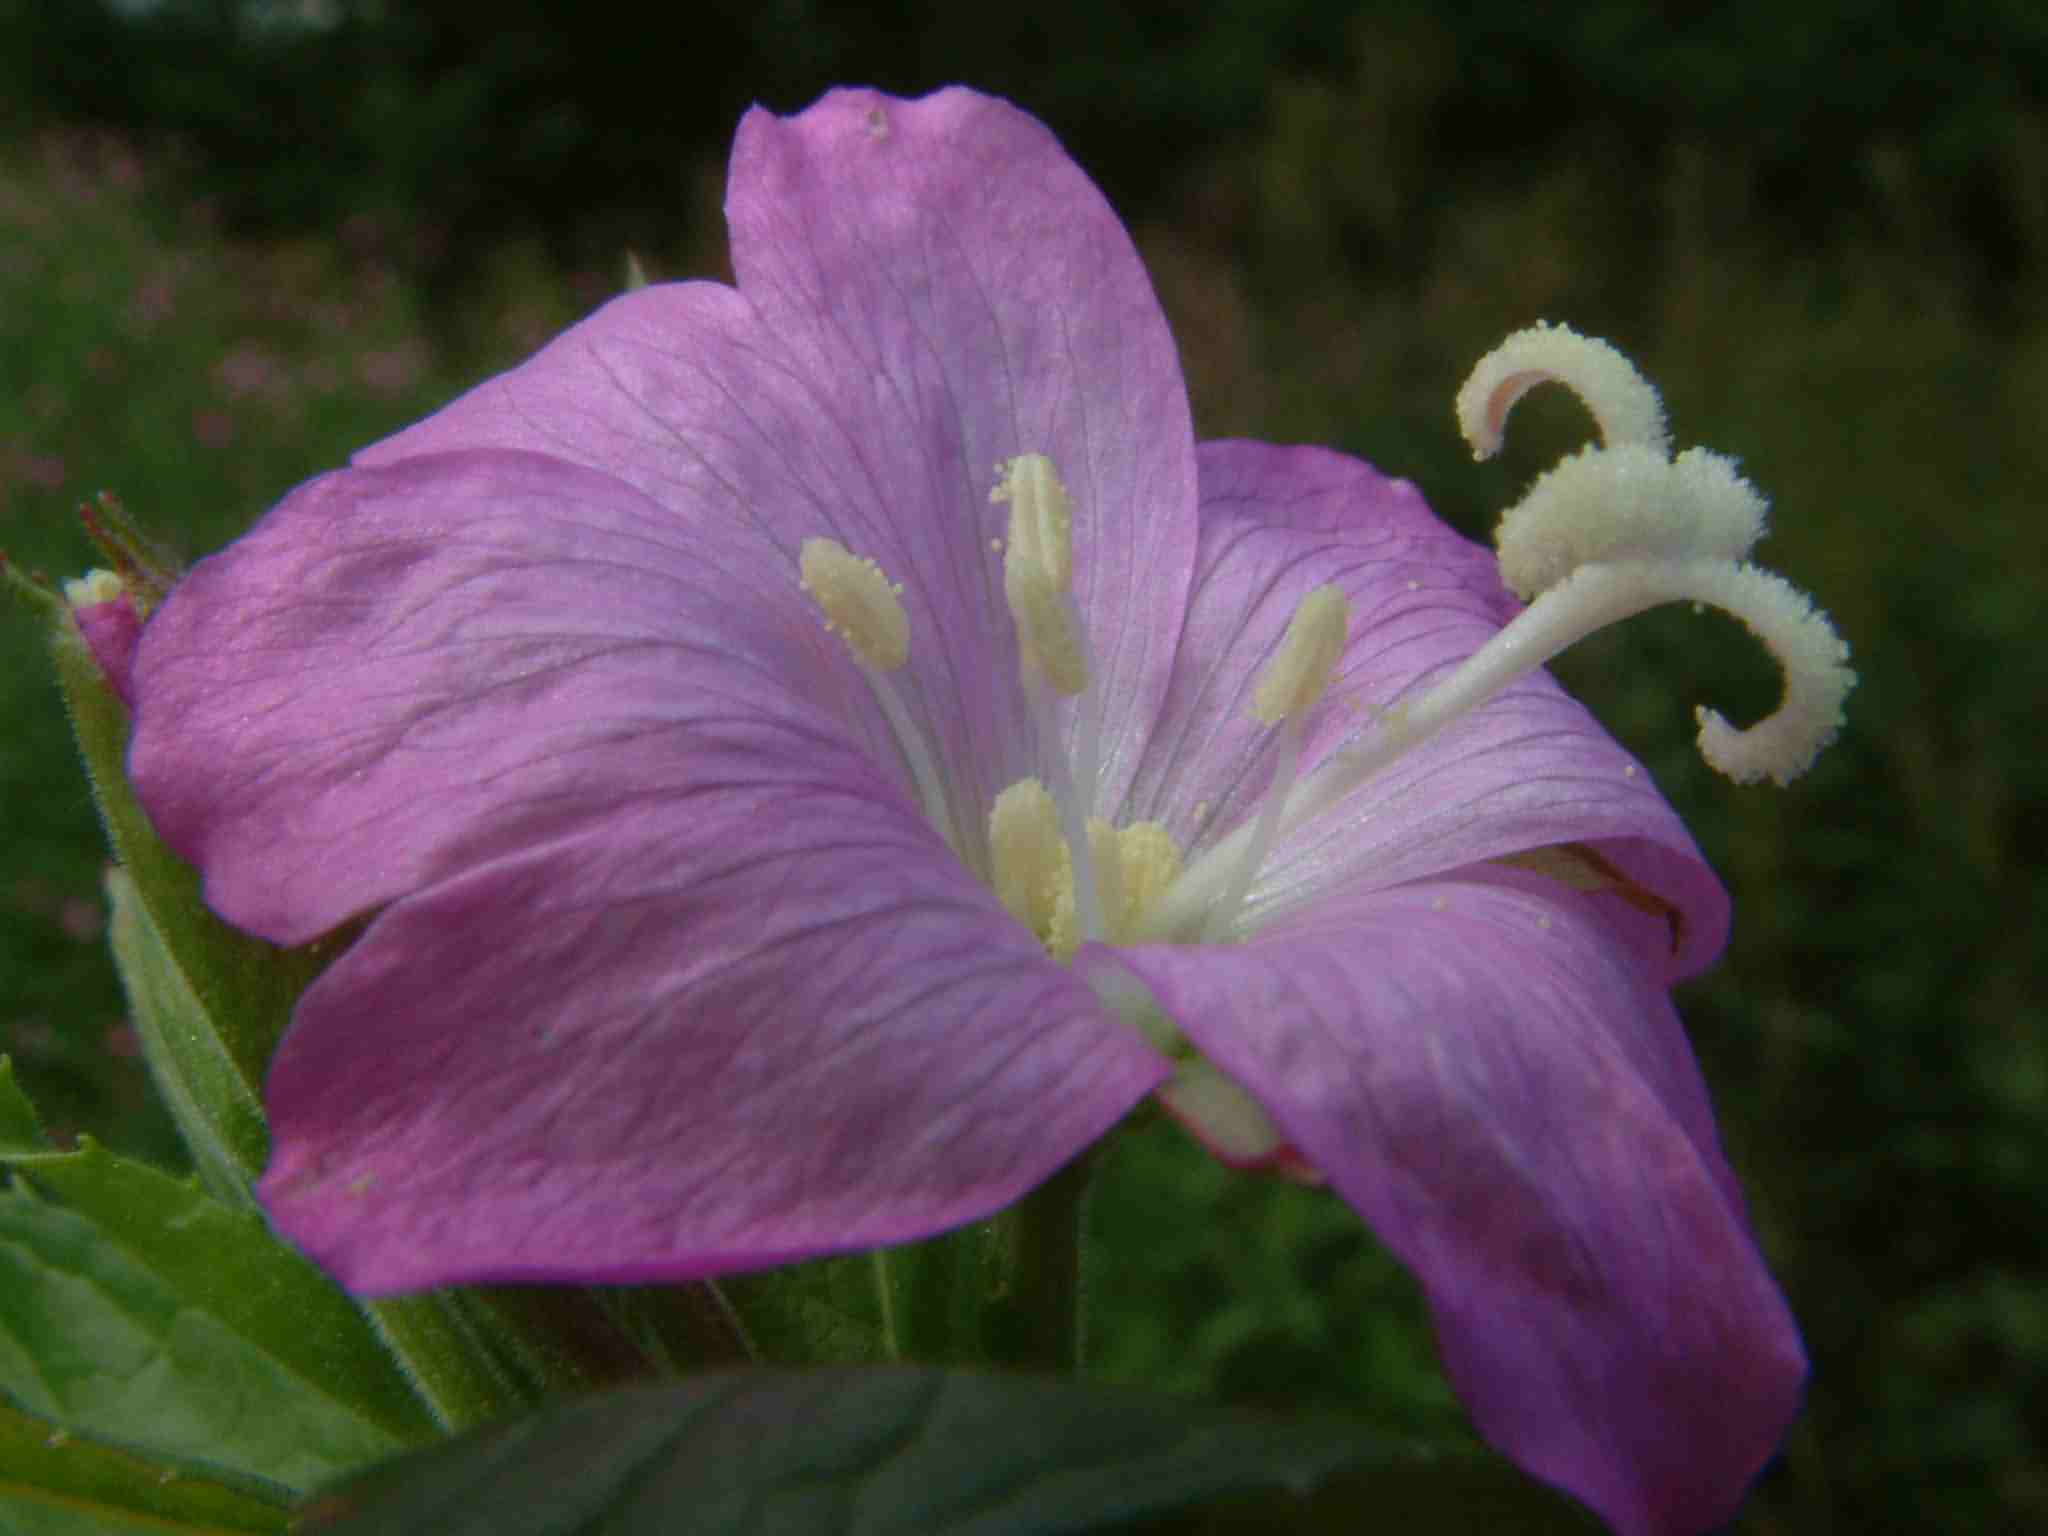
point(814, 754)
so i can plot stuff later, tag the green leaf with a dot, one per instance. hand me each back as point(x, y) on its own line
point(19, 1129)
point(893, 1450)
point(145, 1312)
point(52, 1483)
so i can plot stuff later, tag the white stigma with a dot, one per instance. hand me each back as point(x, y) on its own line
point(1612, 531)
point(1626, 503)
point(1616, 530)
point(1606, 535)
point(1624, 406)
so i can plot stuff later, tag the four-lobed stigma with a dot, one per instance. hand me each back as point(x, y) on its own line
point(1620, 527)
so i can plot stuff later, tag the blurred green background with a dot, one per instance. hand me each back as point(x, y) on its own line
point(238, 239)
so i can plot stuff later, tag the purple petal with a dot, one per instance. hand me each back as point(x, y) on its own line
point(925, 288)
point(405, 673)
point(1531, 769)
point(1486, 1072)
point(674, 980)
point(760, 1018)
point(948, 251)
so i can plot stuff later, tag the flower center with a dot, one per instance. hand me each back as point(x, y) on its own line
point(1034, 869)
point(1611, 531)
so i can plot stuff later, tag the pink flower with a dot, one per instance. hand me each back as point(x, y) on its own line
point(703, 934)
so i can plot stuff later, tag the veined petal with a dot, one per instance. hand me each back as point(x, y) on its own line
point(1484, 1070)
point(947, 254)
point(925, 289)
point(1530, 770)
point(405, 673)
point(759, 1017)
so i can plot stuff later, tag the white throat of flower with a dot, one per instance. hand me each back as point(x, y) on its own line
point(1618, 528)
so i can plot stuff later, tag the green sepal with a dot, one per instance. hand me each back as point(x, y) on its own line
point(217, 1109)
point(243, 988)
point(35, 592)
point(147, 570)
point(54, 1482)
point(145, 1312)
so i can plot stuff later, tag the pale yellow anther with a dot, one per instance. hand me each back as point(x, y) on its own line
point(1149, 862)
point(1046, 632)
point(1133, 867)
point(1029, 858)
point(1034, 869)
point(1295, 678)
point(1041, 515)
point(1038, 568)
point(859, 603)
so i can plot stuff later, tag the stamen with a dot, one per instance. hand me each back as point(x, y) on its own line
point(1294, 680)
point(860, 604)
point(1034, 874)
point(1041, 514)
point(864, 609)
point(1028, 856)
point(1292, 684)
point(1624, 406)
point(1265, 831)
point(1048, 639)
point(1148, 862)
point(1072, 818)
point(1052, 650)
point(1038, 570)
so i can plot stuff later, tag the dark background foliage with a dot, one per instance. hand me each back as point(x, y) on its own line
point(238, 238)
